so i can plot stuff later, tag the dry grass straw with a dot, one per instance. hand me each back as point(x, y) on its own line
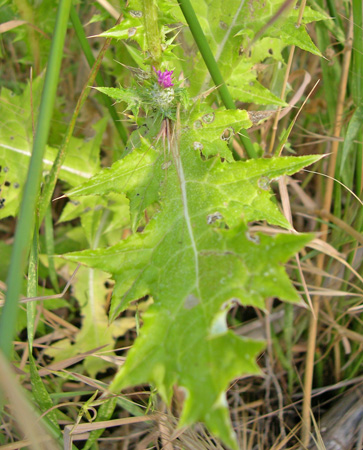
point(27, 422)
point(82, 431)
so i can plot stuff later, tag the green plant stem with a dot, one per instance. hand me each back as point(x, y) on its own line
point(357, 73)
point(86, 48)
point(53, 176)
point(49, 245)
point(32, 287)
point(152, 31)
point(26, 219)
point(359, 164)
point(213, 68)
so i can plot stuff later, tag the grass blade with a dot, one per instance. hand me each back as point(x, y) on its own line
point(25, 224)
point(49, 244)
point(53, 176)
point(357, 72)
point(354, 127)
point(25, 415)
point(32, 288)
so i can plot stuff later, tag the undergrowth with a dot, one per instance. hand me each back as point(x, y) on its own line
point(173, 274)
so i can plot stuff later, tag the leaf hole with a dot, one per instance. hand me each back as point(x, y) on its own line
point(253, 237)
point(227, 134)
point(131, 31)
point(136, 14)
point(208, 118)
point(264, 183)
point(211, 218)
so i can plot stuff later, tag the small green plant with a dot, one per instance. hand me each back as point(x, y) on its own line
point(195, 257)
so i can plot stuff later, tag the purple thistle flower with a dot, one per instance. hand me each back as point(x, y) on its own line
point(164, 78)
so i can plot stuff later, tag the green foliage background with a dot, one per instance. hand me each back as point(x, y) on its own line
point(169, 216)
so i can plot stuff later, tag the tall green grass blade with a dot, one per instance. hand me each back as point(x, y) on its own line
point(357, 72)
point(40, 393)
point(359, 165)
point(334, 14)
point(32, 288)
point(285, 137)
point(331, 73)
point(53, 176)
point(49, 245)
point(26, 219)
point(355, 125)
point(213, 68)
point(86, 48)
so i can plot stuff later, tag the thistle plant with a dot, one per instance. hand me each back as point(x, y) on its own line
point(196, 256)
point(154, 92)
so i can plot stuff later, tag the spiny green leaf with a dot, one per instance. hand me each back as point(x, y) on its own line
point(284, 29)
point(195, 258)
point(141, 174)
point(91, 209)
point(138, 175)
point(129, 96)
point(96, 331)
point(16, 137)
point(230, 27)
point(131, 27)
point(208, 129)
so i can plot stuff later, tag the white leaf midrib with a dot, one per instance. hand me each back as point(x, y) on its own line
point(48, 162)
point(182, 184)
